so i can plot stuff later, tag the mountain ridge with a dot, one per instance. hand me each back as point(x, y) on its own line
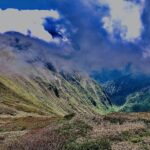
point(42, 87)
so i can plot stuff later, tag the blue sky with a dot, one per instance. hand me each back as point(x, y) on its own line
point(99, 34)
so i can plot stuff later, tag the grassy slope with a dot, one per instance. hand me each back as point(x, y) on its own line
point(31, 85)
point(48, 97)
point(138, 102)
point(32, 106)
point(111, 132)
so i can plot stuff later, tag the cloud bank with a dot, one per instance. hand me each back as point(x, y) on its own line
point(123, 19)
point(27, 22)
point(102, 33)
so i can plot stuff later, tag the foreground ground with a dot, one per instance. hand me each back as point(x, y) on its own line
point(116, 131)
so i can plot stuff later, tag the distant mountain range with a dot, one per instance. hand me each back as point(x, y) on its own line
point(126, 89)
point(138, 101)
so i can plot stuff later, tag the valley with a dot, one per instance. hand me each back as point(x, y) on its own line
point(44, 107)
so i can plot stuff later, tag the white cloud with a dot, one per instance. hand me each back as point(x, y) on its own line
point(24, 21)
point(124, 17)
point(146, 54)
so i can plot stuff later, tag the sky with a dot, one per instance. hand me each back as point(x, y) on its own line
point(93, 34)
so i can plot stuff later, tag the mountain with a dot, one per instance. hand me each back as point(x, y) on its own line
point(138, 101)
point(32, 82)
point(46, 103)
point(118, 85)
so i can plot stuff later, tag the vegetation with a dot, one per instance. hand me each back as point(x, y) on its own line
point(138, 102)
point(90, 133)
point(38, 96)
point(44, 108)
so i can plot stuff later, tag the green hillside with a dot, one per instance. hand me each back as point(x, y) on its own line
point(138, 102)
point(31, 85)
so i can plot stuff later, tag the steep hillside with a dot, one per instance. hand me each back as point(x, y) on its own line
point(119, 84)
point(119, 89)
point(33, 83)
point(138, 101)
